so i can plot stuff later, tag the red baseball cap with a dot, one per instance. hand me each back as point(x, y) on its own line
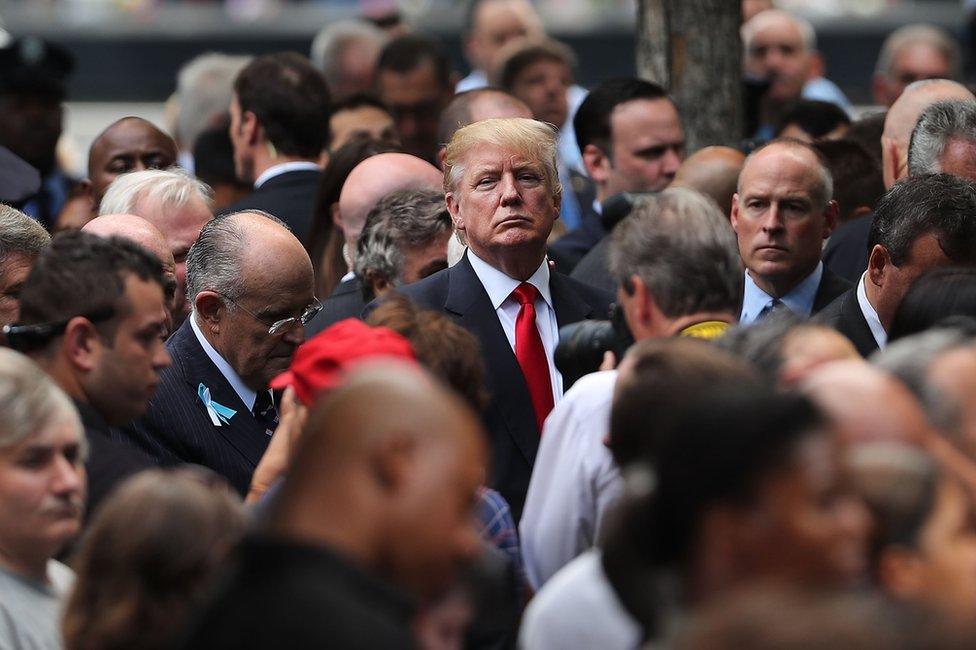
point(322, 361)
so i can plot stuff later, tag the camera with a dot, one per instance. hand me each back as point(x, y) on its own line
point(582, 345)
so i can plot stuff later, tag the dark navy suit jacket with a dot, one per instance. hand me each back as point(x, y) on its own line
point(510, 419)
point(177, 429)
point(289, 196)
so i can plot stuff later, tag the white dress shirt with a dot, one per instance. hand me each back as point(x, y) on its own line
point(574, 480)
point(578, 608)
point(283, 168)
point(500, 287)
point(871, 314)
point(247, 395)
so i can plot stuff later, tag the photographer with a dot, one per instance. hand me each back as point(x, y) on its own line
point(677, 265)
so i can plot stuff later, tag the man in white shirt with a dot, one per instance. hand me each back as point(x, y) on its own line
point(279, 121)
point(677, 265)
point(923, 223)
point(250, 283)
point(503, 194)
point(42, 495)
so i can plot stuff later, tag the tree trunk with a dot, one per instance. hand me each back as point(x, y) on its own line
point(692, 48)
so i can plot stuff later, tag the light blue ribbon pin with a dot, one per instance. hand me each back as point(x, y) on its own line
point(219, 414)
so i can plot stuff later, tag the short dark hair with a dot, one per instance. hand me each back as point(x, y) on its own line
point(665, 374)
point(290, 99)
point(592, 120)
point(79, 274)
point(940, 204)
point(351, 103)
point(409, 51)
point(857, 175)
point(814, 117)
point(529, 52)
point(213, 157)
point(726, 441)
point(934, 297)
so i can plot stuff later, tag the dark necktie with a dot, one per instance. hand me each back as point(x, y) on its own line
point(531, 354)
point(265, 412)
point(776, 306)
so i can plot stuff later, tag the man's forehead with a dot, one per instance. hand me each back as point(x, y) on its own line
point(659, 110)
point(782, 33)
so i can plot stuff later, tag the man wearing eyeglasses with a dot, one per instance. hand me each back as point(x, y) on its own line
point(250, 283)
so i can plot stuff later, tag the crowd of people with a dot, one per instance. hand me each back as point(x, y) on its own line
point(366, 355)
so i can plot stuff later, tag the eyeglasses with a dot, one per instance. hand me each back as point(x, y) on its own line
point(285, 324)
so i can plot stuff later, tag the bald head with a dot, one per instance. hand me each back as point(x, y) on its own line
point(376, 177)
point(902, 117)
point(474, 106)
point(713, 171)
point(866, 403)
point(130, 144)
point(138, 230)
point(392, 486)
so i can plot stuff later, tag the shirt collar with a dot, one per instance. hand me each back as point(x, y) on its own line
point(499, 286)
point(282, 168)
point(247, 395)
point(871, 314)
point(799, 300)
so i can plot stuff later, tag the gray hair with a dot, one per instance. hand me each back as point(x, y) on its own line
point(401, 219)
point(936, 126)
point(20, 234)
point(808, 35)
point(683, 248)
point(173, 188)
point(214, 262)
point(911, 35)
point(30, 401)
point(329, 43)
point(911, 358)
point(820, 193)
point(204, 89)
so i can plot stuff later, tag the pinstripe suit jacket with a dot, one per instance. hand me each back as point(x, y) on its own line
point(177, 429)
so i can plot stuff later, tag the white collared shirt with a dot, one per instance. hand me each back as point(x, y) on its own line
point(278, 170)
point(500, 287)
point(575, 480)
point(871, 314)
point(247, 395)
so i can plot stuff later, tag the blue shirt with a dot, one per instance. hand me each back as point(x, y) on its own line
point(799, 300)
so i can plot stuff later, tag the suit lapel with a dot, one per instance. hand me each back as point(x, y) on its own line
point(242, 432)
point(856, 327)
point(831, 286)
point(469, 302)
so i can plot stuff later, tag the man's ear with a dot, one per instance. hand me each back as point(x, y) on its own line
point(336, 215)
point(454, 209)
point(879, 265)
point(816, 67)
point(734, 214)
point(250, 127)
point(890, 172)
point(597, 163)
point(831, 217)
point(392, 459)
point(378, 285)
point(81, 344)
point(209, 305)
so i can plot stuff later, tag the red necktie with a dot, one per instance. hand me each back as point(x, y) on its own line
point(530, 353)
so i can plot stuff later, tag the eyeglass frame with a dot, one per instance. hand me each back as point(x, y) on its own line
point(279, 326)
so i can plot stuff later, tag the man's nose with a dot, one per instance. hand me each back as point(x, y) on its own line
point(509, 189)
point(67, 477)
point(773, 219)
